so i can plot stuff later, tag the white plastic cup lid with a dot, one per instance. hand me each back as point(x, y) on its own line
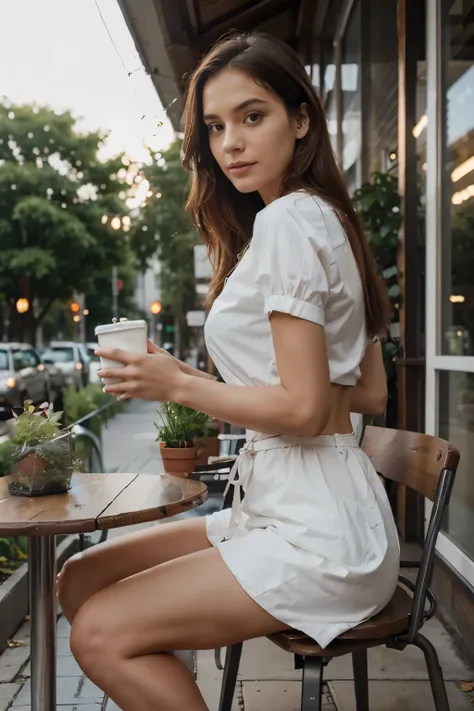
point(119, 326)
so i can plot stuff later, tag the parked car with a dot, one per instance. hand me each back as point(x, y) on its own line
point(23, 376)
point(71, 359)
point(57, 381)
point(94, 363)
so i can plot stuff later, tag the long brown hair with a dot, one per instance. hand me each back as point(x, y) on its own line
point(223, 215)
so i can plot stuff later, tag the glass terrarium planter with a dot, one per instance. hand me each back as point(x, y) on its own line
point(45, 468)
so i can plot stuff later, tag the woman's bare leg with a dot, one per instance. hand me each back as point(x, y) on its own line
point(122, 635)
point(88, 572)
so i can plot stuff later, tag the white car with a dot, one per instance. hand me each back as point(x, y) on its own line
point(94, 362)
point(22, 374)
point(71, 359)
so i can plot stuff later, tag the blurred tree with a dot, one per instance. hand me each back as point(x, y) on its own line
point(54, 194)
point(166, 230)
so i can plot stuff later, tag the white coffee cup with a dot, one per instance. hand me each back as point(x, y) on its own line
point(127, 335)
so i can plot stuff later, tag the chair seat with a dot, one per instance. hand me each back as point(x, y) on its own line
point(393, 619)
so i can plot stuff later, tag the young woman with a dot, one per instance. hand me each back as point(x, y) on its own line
point(296, 310)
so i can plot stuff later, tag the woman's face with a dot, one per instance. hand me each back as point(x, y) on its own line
point(251, 135)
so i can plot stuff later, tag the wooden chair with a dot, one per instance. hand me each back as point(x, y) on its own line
point(427, 465)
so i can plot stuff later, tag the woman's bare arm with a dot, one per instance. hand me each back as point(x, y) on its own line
point(369, 396)
point(184, 367)
point(300, 405)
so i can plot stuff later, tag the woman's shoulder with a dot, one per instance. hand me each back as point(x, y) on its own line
point(299, 201)
point(304, 213)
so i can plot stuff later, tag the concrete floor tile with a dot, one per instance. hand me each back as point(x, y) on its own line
point(65, 666)
point(70, 707)
point(11, 661)
point(88, 690)
point(63, 628)
point(68, 692)
point(396, 695)
point(277, 696)
point(7, 692)
point(209, 680)
point(62, 647)
point(261, 659)
point(410, 664)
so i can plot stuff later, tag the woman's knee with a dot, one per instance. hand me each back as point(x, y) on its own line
point(72, 585)
point(91, 643)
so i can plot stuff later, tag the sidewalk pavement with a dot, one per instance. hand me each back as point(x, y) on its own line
point(267, 680)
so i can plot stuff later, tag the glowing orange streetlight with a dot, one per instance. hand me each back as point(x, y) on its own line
point(22, 306)
point(156, 307)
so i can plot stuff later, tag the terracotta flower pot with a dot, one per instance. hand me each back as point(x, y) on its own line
point(207, 447)
point(179, 461)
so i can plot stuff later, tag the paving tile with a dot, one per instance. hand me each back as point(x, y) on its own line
point(391, 664)
point(261, 659)
point(396, 695)
point(7, 693)
point(88, 690)
point(65, 666)
point(68, 692)
point(11, 661)
point(63, 628)
point(62, 647)
point(278, 696)
point(67, 707)
point(209, 680)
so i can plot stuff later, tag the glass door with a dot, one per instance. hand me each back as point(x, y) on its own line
point(450, 259)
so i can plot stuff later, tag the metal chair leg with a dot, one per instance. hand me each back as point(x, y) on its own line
point(435, 672)
point(217, 658)
point(361, 681)
point(229, 678)
point(311, 696)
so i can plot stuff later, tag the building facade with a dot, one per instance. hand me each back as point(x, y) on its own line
point(396, 78)
point(397, 81)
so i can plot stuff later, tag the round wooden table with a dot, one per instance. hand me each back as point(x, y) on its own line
point(95, 501)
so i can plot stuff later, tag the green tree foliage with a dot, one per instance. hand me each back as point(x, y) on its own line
point(53, 194)
point(378, 204)
point(166, 230)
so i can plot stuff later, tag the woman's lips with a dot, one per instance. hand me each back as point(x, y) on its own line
point(240, 169)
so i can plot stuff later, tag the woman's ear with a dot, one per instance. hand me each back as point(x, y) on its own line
point(302, 121)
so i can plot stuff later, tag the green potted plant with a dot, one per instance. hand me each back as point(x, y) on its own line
point(379, 206)
point(40, 455)
point(177, 435)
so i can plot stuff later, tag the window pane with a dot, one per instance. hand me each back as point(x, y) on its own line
point(456, 424)
point(457, 258)
point(351, 100)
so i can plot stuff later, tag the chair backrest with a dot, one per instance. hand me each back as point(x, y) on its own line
point(410, 458)
point(427, 465)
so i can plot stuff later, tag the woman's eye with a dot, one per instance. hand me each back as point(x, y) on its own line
point(253, 117)
point(214, 127)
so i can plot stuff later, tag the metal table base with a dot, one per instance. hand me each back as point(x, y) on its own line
point(42, 569)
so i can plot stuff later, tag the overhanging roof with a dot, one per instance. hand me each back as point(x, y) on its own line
point(172, 35)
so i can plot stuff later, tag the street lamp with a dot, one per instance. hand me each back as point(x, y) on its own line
point(156, 308)
point(22, 306)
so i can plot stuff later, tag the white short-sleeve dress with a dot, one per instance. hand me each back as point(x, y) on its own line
point(313, 541)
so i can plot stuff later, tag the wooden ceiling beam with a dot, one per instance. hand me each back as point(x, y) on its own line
point(246, 20)
point(306, 14)
point(193, 14)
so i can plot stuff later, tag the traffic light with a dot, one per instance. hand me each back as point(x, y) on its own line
point(75, 308)
point(167, 320)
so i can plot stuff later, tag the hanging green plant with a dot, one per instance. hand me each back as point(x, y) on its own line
point(378, 204)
